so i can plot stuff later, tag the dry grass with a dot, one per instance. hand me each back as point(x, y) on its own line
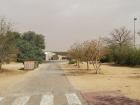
point(13, 74)
point(112, 78)
point(10, 75)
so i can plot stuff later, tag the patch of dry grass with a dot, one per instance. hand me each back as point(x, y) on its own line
point(10, 75)
point(112, 78)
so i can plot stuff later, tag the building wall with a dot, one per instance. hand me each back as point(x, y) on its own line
point(49, 55)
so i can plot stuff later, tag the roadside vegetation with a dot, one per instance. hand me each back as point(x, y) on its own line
point(121, 48)
point(90, 52)
point(117, 49)
point(16, 46)
point(114, 59)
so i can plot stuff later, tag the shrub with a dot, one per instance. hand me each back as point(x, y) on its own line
point(126, 56)
point(72, 62)
point(107, 58)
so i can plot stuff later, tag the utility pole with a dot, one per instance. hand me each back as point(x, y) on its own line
point(135, 31)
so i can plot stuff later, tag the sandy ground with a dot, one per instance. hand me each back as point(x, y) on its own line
point(11, 75)
point(112, 78)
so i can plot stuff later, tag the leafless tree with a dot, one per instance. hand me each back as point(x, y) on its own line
point(5, 26)
point(97, 52)
point(76, 53)
point(120, 37)
point(86, 52)
point(5, 41)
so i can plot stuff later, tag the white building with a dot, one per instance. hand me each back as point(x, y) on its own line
point(49, 55)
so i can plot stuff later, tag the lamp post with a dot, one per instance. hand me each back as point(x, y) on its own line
point(135, 31)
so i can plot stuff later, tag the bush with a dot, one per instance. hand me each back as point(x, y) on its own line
point(126, 56)
point(29, 52)
point(72, 62)
point(107, 58)
point(133, 57)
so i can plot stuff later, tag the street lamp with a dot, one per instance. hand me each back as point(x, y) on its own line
point(135, 31)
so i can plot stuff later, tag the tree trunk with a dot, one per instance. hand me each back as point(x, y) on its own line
point(87, 65)
point(0, 66)
point(78, 62)
point(96, 65)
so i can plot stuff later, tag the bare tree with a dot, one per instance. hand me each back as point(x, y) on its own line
point(86, 52)
point(6, 41)
point(76, 53)
point(139, 33)
point(120, 37)
point(96, 52)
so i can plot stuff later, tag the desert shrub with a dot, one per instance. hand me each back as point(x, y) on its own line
point(126, 56)
point(133, 57)
point(107, 58)
point(72, 62)
point(123, 56)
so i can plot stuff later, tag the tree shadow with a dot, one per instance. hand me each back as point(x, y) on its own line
point(134, 77)
point(119, 65)
point(80, 72)
point(10, 71)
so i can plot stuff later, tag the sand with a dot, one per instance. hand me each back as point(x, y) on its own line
point(11, 75)
point(112, 78)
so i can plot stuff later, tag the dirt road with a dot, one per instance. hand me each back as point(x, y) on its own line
point(46, 86)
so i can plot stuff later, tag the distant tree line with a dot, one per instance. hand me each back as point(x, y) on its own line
point(121, 49)
point(118, 48)
point(21, 46)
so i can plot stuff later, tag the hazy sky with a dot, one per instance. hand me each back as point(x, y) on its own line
point(64, 22)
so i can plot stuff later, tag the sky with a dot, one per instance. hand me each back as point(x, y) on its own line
point(64, 22)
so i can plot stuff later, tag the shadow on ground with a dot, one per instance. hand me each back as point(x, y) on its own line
point(119, 65)
point(108, 98)
point(79, 72)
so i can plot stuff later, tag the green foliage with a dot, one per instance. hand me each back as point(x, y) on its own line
point(120, 48)
point(7, 47)
point(72, 61)
point(130, 57)
point(11, 43)
point(29, 52)
point(30, 47)
point(34, 39)
point(124, 56)
point(27, 46)
point(107, 58)
point(7, 42)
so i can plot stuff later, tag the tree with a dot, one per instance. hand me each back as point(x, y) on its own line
point(119, 40)
point(76, 53)
point(86, 52)
point(5, 26)
point(93, 51)
point(7, 42)
point(31, 47)
point(27, 51)
point(97, 51)
point(35, 39)
point(119, 37)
